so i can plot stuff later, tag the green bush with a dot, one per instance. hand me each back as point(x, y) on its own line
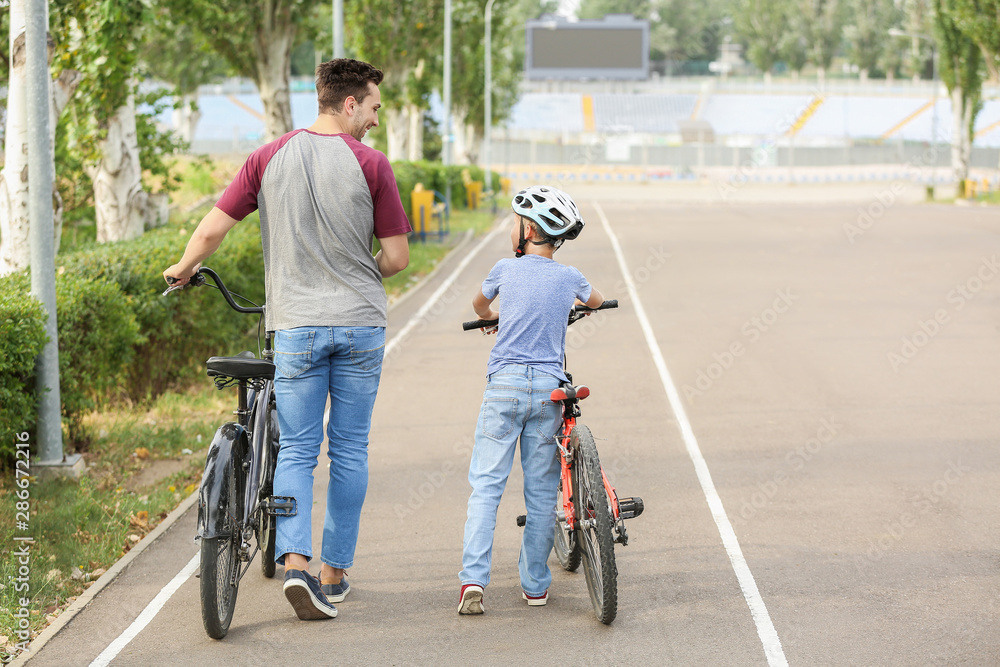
point(22, 335)
point(180, 331)
point(118, 337)
point(97, 335)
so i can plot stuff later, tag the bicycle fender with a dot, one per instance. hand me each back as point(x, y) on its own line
point(229, 439)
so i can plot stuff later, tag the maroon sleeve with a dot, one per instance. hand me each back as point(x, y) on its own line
point(240, 197)
point(390, 218)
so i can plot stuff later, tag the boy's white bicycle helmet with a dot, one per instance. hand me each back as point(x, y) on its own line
point(552, 210)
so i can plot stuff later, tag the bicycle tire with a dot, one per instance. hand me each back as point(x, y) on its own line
point(267, 535)
point(594, 527)
point(220, 562)
point(566, 544)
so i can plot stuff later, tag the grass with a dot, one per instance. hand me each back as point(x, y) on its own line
point(138, 465)
point(80, 528)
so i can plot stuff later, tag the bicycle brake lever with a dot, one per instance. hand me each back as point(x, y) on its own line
point(172, 288)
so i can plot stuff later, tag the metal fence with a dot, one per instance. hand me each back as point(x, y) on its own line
point(763, 153)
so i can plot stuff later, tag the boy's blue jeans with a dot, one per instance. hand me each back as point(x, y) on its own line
point(515, 405)
point(313, 362)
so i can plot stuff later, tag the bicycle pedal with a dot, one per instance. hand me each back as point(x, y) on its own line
point(630, 508)
point(521, 520)
point(281, 506)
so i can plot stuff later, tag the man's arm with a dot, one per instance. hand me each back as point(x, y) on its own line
point(205, 240)
point(394, 255)
point(482, 307)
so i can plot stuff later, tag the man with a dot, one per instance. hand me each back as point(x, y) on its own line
point(322, 195)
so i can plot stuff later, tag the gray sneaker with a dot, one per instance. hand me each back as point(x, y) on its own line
point(337, 592)
point(303, 591)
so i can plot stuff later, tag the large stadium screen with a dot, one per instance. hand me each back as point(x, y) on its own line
point(616, 47)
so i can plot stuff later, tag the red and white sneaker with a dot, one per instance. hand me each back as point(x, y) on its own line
point(471, 599)
point(536, 601)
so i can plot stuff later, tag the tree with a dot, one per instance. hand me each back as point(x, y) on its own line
point(824, 21)
point(980, 20)
point(762, 24)
point(255, 37)
point(14, 224)
point(101, 41)
point(961, 69)
point(178, 55)
point(404, 47)
point(867, 33)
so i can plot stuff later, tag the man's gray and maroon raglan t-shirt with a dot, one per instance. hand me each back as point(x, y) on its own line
point(322, 197)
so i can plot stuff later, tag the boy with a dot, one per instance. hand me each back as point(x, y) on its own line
point(536, 294)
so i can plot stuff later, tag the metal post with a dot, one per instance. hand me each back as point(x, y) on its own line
point(488, 115)
point(446, 132)
point(43, 272)
point(338, 28)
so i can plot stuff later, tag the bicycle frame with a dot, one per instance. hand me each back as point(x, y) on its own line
point(566, 456)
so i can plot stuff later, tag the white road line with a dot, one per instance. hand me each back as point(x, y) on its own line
point(154, 607)
point(147, 615)
point(765, 628)
point(445, 286)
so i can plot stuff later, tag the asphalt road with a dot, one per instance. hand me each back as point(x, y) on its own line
point(839, 374)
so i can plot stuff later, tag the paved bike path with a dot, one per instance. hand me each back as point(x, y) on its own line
point(678, 598)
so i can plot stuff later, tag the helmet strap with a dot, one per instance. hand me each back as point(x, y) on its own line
point(521, 243)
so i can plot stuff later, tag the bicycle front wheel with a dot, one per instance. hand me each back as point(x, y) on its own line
point(220, 561)
point(566, 546)
point(594, 526)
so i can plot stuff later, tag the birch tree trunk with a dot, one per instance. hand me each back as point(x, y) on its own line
point(396, 130)
point(273, 52)
point(15, 250)
point(415, 144)
point(119, 199)
point(961, 145)
point(186, 117)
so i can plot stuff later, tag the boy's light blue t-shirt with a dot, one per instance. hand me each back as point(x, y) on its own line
point(536, 295)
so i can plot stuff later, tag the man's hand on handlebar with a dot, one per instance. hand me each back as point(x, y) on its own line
point(177, 278)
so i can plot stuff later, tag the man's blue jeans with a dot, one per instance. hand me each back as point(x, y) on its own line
point(312, 363)
point(515, 405)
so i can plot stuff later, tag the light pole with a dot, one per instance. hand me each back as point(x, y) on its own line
point(338, 28)
point(895, 32)
point(488, 114)
point(446, 138)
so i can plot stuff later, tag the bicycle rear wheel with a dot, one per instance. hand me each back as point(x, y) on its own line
point(220, 561)
point(266, 531)
point(594, 526)
point(566, 545)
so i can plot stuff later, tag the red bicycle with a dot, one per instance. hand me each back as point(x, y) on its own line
point(590, 515)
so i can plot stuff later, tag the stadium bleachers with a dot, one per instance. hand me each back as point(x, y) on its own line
point(733, 116)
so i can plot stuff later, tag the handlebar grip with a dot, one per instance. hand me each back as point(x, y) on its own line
point(478, 324)
point(608, 303)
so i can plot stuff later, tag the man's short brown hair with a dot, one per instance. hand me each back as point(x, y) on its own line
point(340, 78)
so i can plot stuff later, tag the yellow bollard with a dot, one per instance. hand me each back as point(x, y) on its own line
point(421, 208)
point(505, 186)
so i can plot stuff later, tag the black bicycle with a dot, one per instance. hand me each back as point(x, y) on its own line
point(236, 502)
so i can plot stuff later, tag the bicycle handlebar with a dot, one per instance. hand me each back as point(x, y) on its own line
point(575, 314)
point(198, 280)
